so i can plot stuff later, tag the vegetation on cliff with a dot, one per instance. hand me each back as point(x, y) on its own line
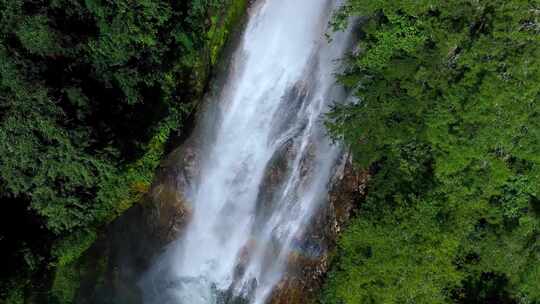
point(90, 93)
point(448, 122)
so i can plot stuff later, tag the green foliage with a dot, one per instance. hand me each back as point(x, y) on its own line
point(37, 37)
point(65, 284)
point(405, 257)
point(90, 94)
point(64, 140)
point(68, 273)
point(71, 248)
point(15, 294)
point(447, 120)
point(219, 31)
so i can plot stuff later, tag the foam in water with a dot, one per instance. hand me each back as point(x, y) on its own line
point(269, 112)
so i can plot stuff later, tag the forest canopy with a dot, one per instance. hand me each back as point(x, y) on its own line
point(90, 93)
point(448, 123)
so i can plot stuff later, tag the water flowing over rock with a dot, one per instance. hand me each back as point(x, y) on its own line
point(309, 263)
point(264, 168)
point(248, 209)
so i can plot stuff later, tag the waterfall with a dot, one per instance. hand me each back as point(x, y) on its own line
point(267, 162)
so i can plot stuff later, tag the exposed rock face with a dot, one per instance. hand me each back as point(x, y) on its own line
point(130, 244)
point(309, 263)
point(116, 261)
point(174, 177)
point(275, 174)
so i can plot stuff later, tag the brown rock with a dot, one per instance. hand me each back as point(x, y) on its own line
point(133, 240)
point(308, 266)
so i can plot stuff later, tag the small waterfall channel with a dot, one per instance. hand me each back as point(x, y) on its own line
point(267, 162)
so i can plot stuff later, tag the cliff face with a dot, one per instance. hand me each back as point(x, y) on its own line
point(309, 264)
point(116, 262)
point(113, 266)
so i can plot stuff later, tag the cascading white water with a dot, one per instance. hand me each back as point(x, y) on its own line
point(268, 115)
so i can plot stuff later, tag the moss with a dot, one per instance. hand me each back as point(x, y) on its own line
point(221, 27)
point(66, 283)
point(68, 276)
point(68, 254)
point(69, 249)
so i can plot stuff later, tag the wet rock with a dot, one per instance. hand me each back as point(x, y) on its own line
point(275, 175)
point(173, 180)
point(309, 262)
point(131, 242)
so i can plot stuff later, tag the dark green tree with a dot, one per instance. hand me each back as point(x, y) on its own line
point(448, 123)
